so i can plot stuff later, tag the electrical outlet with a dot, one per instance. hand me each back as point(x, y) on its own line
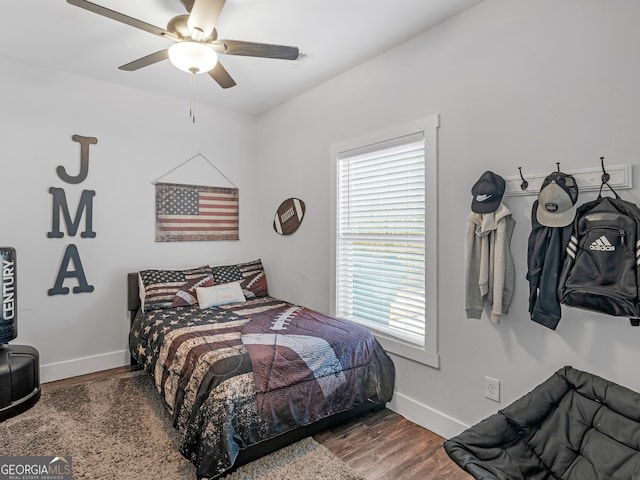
point(492, 389)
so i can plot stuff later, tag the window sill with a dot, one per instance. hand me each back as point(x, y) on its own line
point(406, 350)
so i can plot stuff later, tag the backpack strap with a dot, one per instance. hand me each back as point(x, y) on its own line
point(610, 188)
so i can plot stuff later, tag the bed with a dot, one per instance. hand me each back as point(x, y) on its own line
point(244, 374)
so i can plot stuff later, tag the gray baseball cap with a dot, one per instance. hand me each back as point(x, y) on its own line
point(557, 200)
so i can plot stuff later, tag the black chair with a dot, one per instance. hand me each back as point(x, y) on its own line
point(573, 426)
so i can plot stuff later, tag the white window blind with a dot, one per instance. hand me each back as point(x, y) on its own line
point(380, 251)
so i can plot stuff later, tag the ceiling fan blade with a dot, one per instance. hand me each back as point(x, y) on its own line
point(252, 49)
point(122, 18)
point(203, 17)
point(146, 61)
point(221, 76)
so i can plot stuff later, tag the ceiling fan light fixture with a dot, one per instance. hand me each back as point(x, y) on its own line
point(192, 57)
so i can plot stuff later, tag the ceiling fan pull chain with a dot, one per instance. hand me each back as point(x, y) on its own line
point(192, 94)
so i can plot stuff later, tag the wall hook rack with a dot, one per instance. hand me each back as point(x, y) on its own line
point(588, 179)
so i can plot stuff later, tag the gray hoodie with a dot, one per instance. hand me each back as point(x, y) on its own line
point(490, 272)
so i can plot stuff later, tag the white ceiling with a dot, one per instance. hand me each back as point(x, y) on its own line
point(336, 35)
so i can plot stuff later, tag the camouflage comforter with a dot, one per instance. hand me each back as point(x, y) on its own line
point(238, 374)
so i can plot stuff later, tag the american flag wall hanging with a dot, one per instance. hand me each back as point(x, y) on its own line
point(196, 213)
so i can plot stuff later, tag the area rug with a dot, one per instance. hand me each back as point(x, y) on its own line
point(118, 428)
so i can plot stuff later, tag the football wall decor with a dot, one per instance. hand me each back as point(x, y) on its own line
point(289, 216)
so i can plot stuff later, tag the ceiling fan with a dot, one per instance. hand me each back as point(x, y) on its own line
point(196, 40)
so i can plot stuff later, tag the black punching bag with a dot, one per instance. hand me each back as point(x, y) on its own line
point(19, 364)
point(9, 313)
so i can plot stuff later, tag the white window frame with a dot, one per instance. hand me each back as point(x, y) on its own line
point(428, 126)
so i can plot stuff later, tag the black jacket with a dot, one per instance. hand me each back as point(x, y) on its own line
point(546, 251)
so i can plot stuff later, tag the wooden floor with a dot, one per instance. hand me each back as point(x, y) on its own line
point(379, 446)
point(384, 445)
point(67, 382)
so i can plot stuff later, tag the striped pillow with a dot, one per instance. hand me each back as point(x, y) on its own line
point(187, 295)
point(251, 276)
point(158, 288)
point(254, 279)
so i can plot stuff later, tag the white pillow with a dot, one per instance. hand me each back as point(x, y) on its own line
point(219, 295)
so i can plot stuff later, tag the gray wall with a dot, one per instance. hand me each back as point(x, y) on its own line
point(141, 136)
point(516, 83)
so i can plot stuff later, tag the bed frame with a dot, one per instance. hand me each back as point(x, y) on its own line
point(266, 447)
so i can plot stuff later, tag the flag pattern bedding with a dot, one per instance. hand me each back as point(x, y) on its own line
point(239, 374)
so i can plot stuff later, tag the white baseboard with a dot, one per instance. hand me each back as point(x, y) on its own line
point(82, 366)
point(425, 416)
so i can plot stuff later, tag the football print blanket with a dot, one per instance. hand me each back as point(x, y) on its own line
point(238, 374)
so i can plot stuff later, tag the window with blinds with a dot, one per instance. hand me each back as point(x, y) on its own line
point(380, 246)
